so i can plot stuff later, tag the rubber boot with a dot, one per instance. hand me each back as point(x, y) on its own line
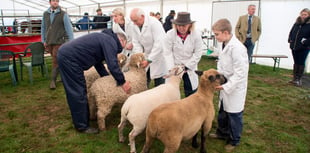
point(54, 77)
point(294, 80)
point(300, 72)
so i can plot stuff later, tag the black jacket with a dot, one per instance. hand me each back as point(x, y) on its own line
point(299, 31)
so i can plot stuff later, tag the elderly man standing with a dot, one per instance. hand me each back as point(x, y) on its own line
point(148, 34)
point(56, 29)
point(248, 30)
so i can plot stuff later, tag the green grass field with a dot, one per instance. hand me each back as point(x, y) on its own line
point(36, 119)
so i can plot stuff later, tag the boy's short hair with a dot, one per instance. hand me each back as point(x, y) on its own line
point(222, 25)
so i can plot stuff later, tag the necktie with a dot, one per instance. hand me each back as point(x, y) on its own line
point(249, 24)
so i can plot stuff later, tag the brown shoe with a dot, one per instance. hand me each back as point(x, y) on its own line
point(229, 148)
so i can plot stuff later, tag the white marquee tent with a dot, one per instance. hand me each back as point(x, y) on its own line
point(277, 16)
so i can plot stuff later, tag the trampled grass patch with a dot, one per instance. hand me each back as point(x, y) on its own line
point(36, 119)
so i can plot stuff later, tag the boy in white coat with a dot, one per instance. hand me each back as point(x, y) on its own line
point(233, 64)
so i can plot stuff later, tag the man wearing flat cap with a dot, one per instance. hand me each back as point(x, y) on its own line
point(183, 46)
point(168, 21)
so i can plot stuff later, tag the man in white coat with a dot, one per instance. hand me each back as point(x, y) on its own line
point(148, 34)
point(123, 25)
point(183, 46)
point(233, 64)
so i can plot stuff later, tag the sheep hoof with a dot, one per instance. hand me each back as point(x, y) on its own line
point(121, 141)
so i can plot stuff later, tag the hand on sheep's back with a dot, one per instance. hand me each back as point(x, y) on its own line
point(126, 87)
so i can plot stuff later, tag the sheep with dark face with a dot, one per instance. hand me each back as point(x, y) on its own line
point(182, 119)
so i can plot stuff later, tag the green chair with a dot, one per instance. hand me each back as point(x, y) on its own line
point(6, 65)
point(36, 52)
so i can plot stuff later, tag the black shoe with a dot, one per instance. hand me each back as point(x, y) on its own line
point(216, 136)
point(90, 130)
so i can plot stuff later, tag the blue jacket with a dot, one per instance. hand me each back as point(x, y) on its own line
point(85, 23)
point(92, 49)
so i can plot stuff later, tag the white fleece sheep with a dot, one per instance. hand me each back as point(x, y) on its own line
point(104, 92)
point(91, 75)
point(137, 107)
point(182, 119)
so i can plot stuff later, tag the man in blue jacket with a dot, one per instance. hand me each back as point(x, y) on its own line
point(80, 54)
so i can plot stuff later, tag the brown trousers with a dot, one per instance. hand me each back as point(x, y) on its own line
point(53, 49)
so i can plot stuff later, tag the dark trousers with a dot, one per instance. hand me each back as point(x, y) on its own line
point(229, 126)
point(187, 85)
point(300, 56)
point(250, 46)
point(75, 87)
point(157, 81)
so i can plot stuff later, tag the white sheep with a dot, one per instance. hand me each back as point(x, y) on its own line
point(181, 120)
point(104, 92)
point(91, 75)
point(137, 107)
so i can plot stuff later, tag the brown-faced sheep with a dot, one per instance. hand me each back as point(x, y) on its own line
point(104, 92)
point(181, 120)
point(91, 75)
point(137, 107)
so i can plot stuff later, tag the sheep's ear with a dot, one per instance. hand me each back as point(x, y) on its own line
point(138, 64)
point(199, 73)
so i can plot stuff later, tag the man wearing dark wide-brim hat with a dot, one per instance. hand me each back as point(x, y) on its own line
point(183, 46)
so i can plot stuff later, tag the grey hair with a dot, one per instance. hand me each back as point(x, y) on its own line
point(121, 36)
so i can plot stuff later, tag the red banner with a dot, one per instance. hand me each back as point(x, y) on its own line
point(11, 43)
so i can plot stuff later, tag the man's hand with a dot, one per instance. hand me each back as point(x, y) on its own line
point(126, 87)
point(218, 88)
point(144, 63)
point(129, 46)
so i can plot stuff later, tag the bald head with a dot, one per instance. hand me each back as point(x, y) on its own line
point(137, 16)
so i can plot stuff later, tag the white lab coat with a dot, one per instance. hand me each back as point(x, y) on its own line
point(188, 53)
point(128, 33)
point(233, 64)
point(150, 41)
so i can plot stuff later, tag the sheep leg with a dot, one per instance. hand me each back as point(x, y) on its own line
point(121, 126)
point(172, 142)
point(132, 135)
point(92, 111)
point(102, 112)
point(148, 142)
point(194, 141)
point(203, 142)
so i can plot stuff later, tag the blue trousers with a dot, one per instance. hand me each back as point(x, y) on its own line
point(229, 126)
point(250, 46)
point(73, 79)
point(157, 81)
point(187, 85)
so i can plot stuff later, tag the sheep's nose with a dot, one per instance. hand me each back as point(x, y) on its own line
point(223, 79)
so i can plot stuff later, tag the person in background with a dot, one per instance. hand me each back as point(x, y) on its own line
point(85, 23)
point(168, 21)
point(56, 29)
point(158, 16)
point(299, 39)
point(148, 34)
point(233, 64)
point(123, 25)
point(79, 55)
point(102, 19)
point(152, 14)
point(183, 46)
point(248, 30)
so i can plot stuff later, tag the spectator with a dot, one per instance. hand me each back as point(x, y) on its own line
point(125, 26)
point(79, 55)
point(103, 20)
point(248, 30)
point(233, 64)
point(168, 21)
point(183, 46)
point(85, 23)
point(148, 36)
point(158, 16)
point(52, 38)
point(299, 39)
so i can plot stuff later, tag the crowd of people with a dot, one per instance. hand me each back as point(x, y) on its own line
point(176, 42)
